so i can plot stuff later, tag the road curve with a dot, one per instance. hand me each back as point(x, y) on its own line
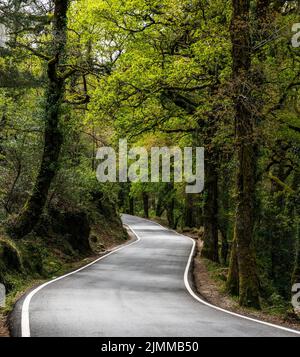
point(138, 290)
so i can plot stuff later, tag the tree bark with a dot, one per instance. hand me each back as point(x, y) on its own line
point(224, 210)
point(246, 153)
point(224, 246)
point(145, 197)
point(296, 272)
point(189, 211)
point(210, 212)
point(170, 204)
point(131, 206)
point(296, 214)
point(159, 209)
point(170, 213)
point(232, 283)
point(53, 137)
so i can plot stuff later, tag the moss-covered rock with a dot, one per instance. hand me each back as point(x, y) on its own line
point(72, 225)
point(10, 260)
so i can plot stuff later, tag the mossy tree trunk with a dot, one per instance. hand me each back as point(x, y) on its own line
point(246, 155)
point(224, 209)
point(282, 235)
point(224, 246)
point(210, 207)
point(31, 212)
point(296, 272)
point(296, 186)
point(232, 283)
point(210, 212)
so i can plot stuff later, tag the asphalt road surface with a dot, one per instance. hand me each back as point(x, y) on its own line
point(138, 290)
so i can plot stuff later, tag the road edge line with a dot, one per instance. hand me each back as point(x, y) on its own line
point(195, 295)
point(25, 321)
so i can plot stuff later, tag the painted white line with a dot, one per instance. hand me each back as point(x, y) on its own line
point(191, 291)
point(25, 321)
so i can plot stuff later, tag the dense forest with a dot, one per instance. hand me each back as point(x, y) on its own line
point(224, 75)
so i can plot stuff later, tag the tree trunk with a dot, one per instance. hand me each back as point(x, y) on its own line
point(295, 186)
point(131, 206)
point(210, 212)
point(296, 272)
point(224, 210)
point(246, 170)
point(232, 283)
point(146, 204)
point(282, 237)
point(170, 204)
point(189, 211)
point(159, 205)
point(199, 221)
point(53, 138)
point(224, 246)
point(170, 213)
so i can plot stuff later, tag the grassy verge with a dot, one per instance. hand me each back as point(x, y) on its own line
point(210, 282)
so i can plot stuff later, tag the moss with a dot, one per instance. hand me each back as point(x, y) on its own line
point(10, 261)
point(232, 284)
point(273, 305)
point(64, 240)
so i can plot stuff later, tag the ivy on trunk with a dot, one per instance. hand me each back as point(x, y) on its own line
point(53, 138)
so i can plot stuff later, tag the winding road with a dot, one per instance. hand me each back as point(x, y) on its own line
point(140, 289)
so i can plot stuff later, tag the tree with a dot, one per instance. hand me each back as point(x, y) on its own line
point(246, 153)
point(53, 138)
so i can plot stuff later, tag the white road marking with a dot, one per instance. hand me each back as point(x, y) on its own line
point(190, 290)
point(25, 322)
